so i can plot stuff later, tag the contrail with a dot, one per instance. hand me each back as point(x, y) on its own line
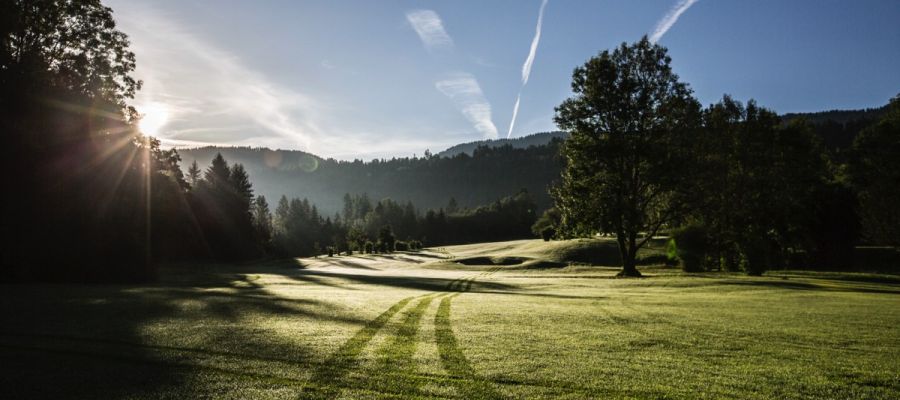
point(464, 90)
point(515, 114)
point(526, 67)
point(670, 18)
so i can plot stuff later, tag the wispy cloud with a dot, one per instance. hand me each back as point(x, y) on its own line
point(465, 92)
point(203, 85)
point(526, 67)
point(670, 18)
point(430, 28)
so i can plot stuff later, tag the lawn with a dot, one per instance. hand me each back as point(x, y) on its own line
point(499, 320)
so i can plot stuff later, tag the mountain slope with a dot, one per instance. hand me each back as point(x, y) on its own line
point(485, 176)
point(537, 139)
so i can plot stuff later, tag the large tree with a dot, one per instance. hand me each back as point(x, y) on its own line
point(875, 172)
point(759, 186)
point(628, 118)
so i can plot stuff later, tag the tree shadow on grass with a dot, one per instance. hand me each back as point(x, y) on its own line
point(87, 341)
point(795, 285)
point(406, 282)
point(339, 262)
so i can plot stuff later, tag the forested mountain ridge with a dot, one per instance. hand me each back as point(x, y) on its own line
point(473, 173)
point(429, 182)
point(838, 128)
point(522, 142)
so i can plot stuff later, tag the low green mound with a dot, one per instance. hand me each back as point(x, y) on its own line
point(553, 254)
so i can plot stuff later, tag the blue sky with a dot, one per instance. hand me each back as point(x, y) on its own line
point(371, 79)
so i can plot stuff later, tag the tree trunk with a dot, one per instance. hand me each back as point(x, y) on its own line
point(628, 251)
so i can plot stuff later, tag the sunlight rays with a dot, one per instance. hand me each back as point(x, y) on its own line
point(154, 116)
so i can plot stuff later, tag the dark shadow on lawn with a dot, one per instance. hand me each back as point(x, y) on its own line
point(400, 258)
point(421, 283)
point(346, 263)
point(794, 285)
point(90, 341)
point(427, 255)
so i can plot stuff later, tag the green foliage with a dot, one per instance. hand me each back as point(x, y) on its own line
point(756, 185)
point(548, 233)
point(70, 138)
point(401, 246)
point(262, 220)
point(691, 243)
point(875, 172)
point(629, 119)
point(551, 218)
point(671, 252)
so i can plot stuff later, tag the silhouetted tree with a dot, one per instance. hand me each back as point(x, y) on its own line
point(628, 119)
point(754, 185)
point(193, 174)
point(386, 239)
point(262, 220)
point(875, 172)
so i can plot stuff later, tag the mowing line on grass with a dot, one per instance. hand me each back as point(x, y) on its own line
point(472, 386)
point(324, 382)
point(396, 365)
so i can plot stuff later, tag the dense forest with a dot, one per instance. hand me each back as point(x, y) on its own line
point(735, 185)
point(521, 142)
point(428, 182)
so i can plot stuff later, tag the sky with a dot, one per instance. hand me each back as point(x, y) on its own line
point(362, 79)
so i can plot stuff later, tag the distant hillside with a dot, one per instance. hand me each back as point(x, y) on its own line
point(838, 128)
point(839, 116)
point(537, 139)
point(481, 178)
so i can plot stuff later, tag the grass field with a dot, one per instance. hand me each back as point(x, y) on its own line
point(498, 320)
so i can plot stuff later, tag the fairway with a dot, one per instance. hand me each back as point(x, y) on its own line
point(509, 320)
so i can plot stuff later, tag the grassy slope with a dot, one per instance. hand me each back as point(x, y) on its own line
point(411, 326)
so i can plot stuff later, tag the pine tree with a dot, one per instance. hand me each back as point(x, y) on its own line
point(262, 220)
point(194, 174)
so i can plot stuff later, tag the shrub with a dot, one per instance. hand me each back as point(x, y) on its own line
point(330, 251)
point(401, 246)
point(369, 247)
point(415, 245)
point(691, 247)
point(671, 253)
point(548, 233)
point(757, 254)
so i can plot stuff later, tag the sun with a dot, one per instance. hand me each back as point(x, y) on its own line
point(153, 117)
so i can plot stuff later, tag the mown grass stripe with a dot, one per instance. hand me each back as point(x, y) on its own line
point(326, 379)
point(396, 365)
point(471, 386)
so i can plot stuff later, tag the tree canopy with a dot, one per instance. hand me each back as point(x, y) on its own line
point(628, 118)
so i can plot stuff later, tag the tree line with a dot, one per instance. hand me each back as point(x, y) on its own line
point(297, 228)
point(736, 186)
point(428, 181)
